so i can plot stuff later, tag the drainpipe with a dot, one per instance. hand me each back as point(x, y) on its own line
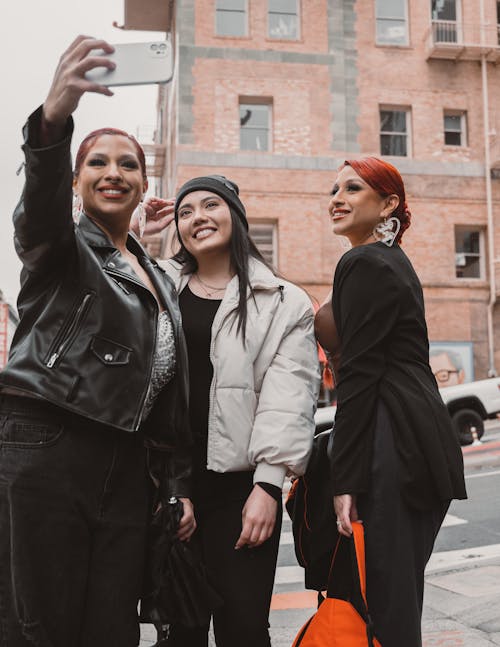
point(489, 202)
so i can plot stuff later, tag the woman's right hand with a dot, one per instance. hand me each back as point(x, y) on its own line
point(69, 82)
point(346, 511)
point(159, 215)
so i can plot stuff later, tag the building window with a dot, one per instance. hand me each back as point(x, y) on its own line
point(454, 128)
point(255, 126)
point(283, 19)
point(391, 18)
point(264, 237)
point(231, 18)
point(469, 253)
point(394, 128)
point(444, 21)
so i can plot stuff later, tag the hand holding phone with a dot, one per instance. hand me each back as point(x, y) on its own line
point(135, 64)
point(69, 82)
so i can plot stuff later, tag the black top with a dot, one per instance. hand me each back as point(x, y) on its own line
point(378, 308)
point(198, 315)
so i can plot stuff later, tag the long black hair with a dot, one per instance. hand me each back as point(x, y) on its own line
point(241, 248)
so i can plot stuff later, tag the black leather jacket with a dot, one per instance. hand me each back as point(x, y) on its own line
point(87, 330)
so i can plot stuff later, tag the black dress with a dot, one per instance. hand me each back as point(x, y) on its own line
point(394, 444)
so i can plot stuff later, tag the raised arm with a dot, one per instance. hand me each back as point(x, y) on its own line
point(42, 219)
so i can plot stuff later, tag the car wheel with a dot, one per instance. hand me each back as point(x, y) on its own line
point(464, 420)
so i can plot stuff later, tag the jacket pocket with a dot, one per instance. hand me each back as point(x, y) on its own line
point(110, 352)
point(69, 330)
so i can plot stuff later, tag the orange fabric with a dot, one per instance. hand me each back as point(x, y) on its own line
point(359, 545)
point(337, 623)
point(328, 378)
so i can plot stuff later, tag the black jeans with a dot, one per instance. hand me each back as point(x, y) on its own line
point(73, 513)
point(244, 578)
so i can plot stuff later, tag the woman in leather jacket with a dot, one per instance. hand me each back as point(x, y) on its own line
point(93, 402)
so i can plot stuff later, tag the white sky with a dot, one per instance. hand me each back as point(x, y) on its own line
point(33, 35)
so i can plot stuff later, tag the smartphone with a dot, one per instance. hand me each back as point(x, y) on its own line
point(136, 64)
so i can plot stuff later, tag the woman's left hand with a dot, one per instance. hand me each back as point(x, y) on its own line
point(187, 524)
point(346, 511)
point(258, 518)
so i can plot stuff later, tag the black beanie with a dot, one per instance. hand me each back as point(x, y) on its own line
point(216, 184)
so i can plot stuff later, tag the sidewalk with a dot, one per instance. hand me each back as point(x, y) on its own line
point(461, 609)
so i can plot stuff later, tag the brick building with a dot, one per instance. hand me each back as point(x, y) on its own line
point(275, 94)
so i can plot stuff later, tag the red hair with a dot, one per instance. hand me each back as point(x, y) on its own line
point(386, 180)
point(91, 139)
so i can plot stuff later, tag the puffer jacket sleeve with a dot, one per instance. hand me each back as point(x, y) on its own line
point(283, 429)
point(43, 226)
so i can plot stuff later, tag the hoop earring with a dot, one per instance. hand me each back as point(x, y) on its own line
point(77, 208)
point(140, 214)
point(386, 231)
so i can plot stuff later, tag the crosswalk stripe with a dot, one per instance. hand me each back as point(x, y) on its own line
point(449, 559)
point(289, 574)
point(286, 538)
point(451, 520)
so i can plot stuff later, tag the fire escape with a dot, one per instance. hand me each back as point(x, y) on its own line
point(457, 41)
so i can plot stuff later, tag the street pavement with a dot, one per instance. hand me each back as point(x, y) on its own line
point(462, 594)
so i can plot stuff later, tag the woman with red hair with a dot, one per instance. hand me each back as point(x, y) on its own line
point(93, 402)
point(396, 463)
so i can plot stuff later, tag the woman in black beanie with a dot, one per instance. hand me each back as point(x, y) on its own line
point(253, 386)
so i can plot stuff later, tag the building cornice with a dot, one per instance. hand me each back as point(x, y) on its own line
point(301, 162)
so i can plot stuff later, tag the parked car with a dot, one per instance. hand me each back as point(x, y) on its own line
point(324, 418)
point(469, 405)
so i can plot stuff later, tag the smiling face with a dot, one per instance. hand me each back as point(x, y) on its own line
point(355, 208)
point(204, 224)
point(110, 180)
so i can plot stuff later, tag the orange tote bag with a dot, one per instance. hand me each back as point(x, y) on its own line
point(342, 618)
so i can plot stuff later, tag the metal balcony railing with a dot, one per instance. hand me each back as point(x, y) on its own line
point(455, 40)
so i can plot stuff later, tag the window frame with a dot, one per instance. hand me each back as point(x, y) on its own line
point(409, 143)
point(298, 6)
point(406, 22)
point(463, 127)
point(257, 101)
point(273, 226)
point(232, 11)
point(481, 256)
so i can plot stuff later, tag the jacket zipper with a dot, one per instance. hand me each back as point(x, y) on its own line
point(220, 318)
point(69, 332)
point(115, 275)
point(146, 391)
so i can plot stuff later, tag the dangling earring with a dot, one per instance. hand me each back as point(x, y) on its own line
point(386, 231)
point(77, 207)
point(140, 214)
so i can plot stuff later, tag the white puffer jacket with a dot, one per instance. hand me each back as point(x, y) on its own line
point(262, 397)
